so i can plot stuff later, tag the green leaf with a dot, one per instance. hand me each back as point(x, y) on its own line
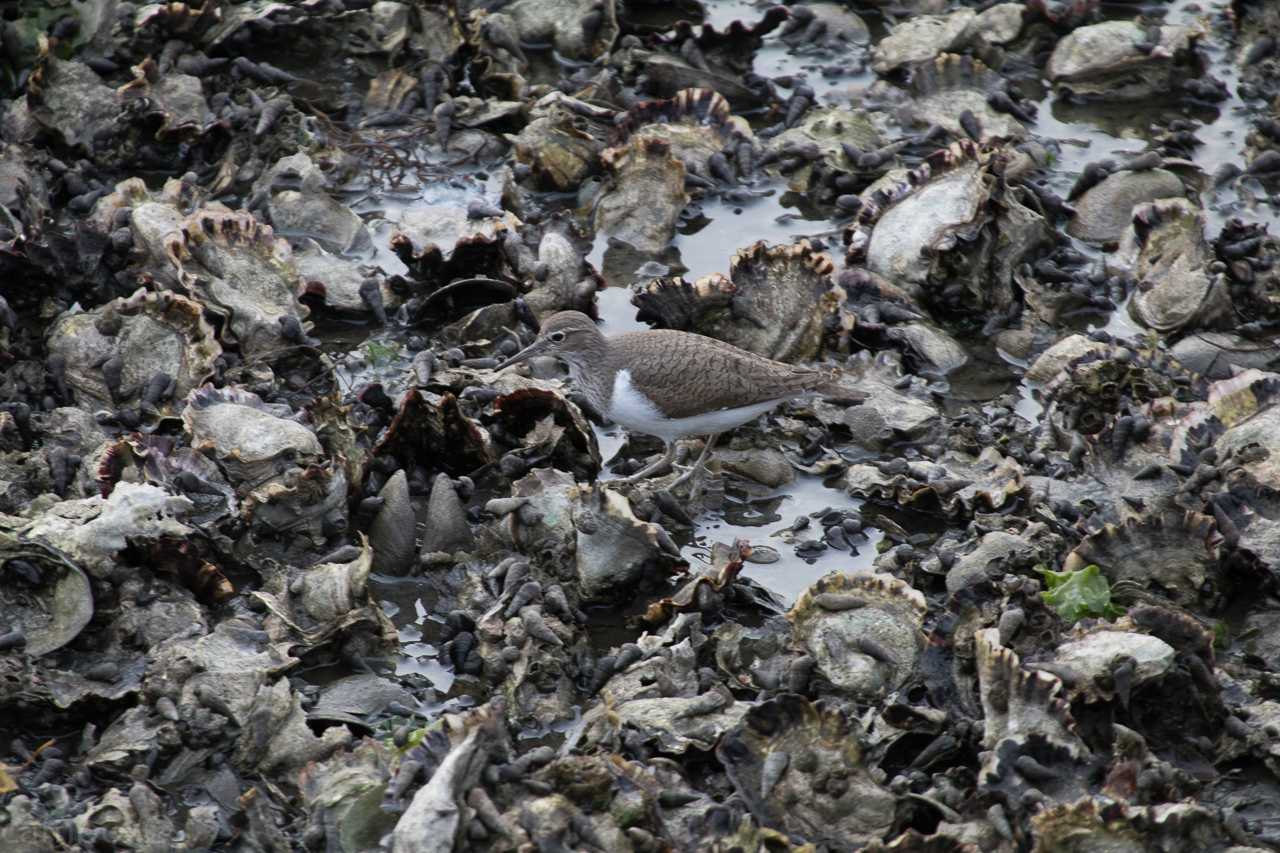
point(380, 353)
point(1221, 636)
point(1076, 595)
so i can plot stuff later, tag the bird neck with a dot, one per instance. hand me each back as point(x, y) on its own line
point(592, 371)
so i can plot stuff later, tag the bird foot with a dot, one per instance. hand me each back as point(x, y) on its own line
point(656, 467)
point(691, 475)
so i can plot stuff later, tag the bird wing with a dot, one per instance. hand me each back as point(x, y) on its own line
point(670, 365)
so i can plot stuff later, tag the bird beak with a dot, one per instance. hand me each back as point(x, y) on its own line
point(524, 355)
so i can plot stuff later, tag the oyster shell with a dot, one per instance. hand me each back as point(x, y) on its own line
point(250, 441)
point(1095, 655)
point(156, 460)
point(456, 262)
point(800, 770)
point(1029, 732)
point(240, 270)
point(681, 723)
point(998, 551)
point(1217, 355)
point(560, 146)
point(343, 286)
point(824, 131)
point(643, 197)
point(888, 410)
point(570, 283)
point(727, 57)
point(54, 609)
point(66, 99)
point(864, 631)
point(315, 605)
point(563, 24)
point(957, 484)
point(1106, 209)
point(591, 529)
point(1172, 552)
point(948, 86)
point(175, 101)
point(24, 195)
point(921, 38)
point(1107, 381)
point(1166, 252)
point(1106, 60)
point(299, 206)
point(345, 793)
point(1056, 358)
point(775, 301)
point(113, 353)
point(1093, 824)
point(695, 123)
point(951, 220)
point(93, 531)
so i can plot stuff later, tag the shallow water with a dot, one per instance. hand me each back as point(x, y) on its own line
point(765, 520)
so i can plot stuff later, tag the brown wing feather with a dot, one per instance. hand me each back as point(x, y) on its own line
point(670, 365)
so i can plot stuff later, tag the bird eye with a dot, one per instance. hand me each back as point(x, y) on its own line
point(557, 337)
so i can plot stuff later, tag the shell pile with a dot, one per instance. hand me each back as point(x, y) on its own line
point(286, 564)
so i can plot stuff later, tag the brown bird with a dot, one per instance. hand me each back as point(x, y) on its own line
point(667, 383)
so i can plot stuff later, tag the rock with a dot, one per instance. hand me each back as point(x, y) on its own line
point(1056, 357)
point(996, 548)
point(1095, 655)
point(921, 38)
point(1216, 355)
point(767, 467)
point(1104, 211)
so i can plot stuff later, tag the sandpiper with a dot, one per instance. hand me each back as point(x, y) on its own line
point(667, 383)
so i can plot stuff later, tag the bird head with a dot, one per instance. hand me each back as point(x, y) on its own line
point(568, 335)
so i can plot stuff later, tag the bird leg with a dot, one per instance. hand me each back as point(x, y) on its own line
point(654, 467)
point(698, 465)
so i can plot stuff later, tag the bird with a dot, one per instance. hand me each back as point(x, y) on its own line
point(668, 383)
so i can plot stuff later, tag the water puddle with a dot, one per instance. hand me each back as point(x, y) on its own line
point(765, 522)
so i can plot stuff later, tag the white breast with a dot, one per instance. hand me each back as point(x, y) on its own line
point(637, 413)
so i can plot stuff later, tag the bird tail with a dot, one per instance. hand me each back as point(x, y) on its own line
point(833, 384)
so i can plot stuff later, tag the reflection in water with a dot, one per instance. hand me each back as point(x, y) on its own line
point(766, 521)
